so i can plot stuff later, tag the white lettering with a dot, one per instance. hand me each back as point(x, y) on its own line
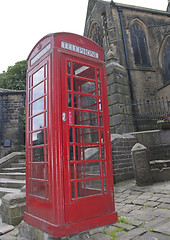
point(78, 49)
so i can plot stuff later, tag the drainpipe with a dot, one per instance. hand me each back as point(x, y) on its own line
point(128, 67)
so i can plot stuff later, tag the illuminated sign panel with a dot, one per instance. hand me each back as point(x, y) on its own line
point(78, 49)
point(40, 54)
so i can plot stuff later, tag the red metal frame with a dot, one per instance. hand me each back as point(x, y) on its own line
point(68, 162)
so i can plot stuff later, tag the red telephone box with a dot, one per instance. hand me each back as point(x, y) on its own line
point(68, 155)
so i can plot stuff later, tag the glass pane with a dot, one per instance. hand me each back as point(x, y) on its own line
point(38, 122)
point(89, 188)
point(30, 187)
point(70, 116)
point(88, 170)
point(84, 86)
point(69, 83)
point(38, 106)
point(71, 153)
point(104, 169)
point(38, 171)
point(38, 91)
point(38, 154)
point(86, 118)
point(103, 152)
point(38, 138)
point(69, 100)
point(45, 70)
point(100, 104)
point(30, 82)
point(102, 136)
point(98, 74)
point(85, 102)
point(68, 67)
point(72, 171)
point(71, 134)
point(30, 95)
point(38, 76)
point(101, 120)
point(105, 185)
point(87, 152)
point(46, 172)
point(73, 190)
point(83, 71)
point(38, 189)
point(86, 135)
point(99, 89)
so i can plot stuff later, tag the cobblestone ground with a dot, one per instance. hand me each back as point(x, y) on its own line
point(144, 214)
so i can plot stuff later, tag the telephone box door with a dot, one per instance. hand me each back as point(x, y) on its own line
point(87, 162)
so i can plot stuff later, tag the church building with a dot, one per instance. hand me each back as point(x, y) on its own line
point(136, 44)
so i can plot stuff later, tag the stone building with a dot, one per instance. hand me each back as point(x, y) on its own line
point(136, 42)
point(12, 104)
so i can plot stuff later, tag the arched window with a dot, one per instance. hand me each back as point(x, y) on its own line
point(139, 45)
point(96, 34)
point(166, 62)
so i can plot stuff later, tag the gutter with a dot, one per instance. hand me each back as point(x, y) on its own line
point(126, 54)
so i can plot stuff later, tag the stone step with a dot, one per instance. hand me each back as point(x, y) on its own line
point(159, 164)
point(14, 165)
point(13, 175)
point(11, 183)
point(17, 169)
point(4, 191)
point(19, 160)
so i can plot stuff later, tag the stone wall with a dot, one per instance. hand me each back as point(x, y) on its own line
point(121, 156)
point(118, 91)
point(128, 81)
point(12, 104)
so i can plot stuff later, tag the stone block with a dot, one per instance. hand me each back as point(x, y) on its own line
point(141, 165)
point(12, 199)
point(13, 207)
point(31, 233)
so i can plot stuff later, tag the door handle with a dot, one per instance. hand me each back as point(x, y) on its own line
point(64, 116)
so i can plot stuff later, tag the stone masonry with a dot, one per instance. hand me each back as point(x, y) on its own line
point(121, 156)
point(12, 105)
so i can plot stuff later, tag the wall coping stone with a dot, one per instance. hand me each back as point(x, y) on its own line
point(10, 156)
point(13, 198)
point(138, 147)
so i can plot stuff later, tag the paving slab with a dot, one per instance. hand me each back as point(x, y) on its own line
point(4, 228)
point(97, 230)
point(125, 226)
point(132, 234)
point(145, 212)
point(151, 204)
point(152, 236)
point(154, 223)
point(10, 235)
point(165, 200)
point(101, 236)
point(163, 228)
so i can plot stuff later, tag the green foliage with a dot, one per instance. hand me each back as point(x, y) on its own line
point(123, 220)
point(113, 233)
point(15, 76)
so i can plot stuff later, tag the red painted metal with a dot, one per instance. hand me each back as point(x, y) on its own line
point(69, 179)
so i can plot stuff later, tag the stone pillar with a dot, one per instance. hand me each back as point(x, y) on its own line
point(141, 165)
point(118, 94)
point(13, 208)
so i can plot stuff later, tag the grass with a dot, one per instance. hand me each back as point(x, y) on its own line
point(112, 233)
point(150, 229)
point(123, 220)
